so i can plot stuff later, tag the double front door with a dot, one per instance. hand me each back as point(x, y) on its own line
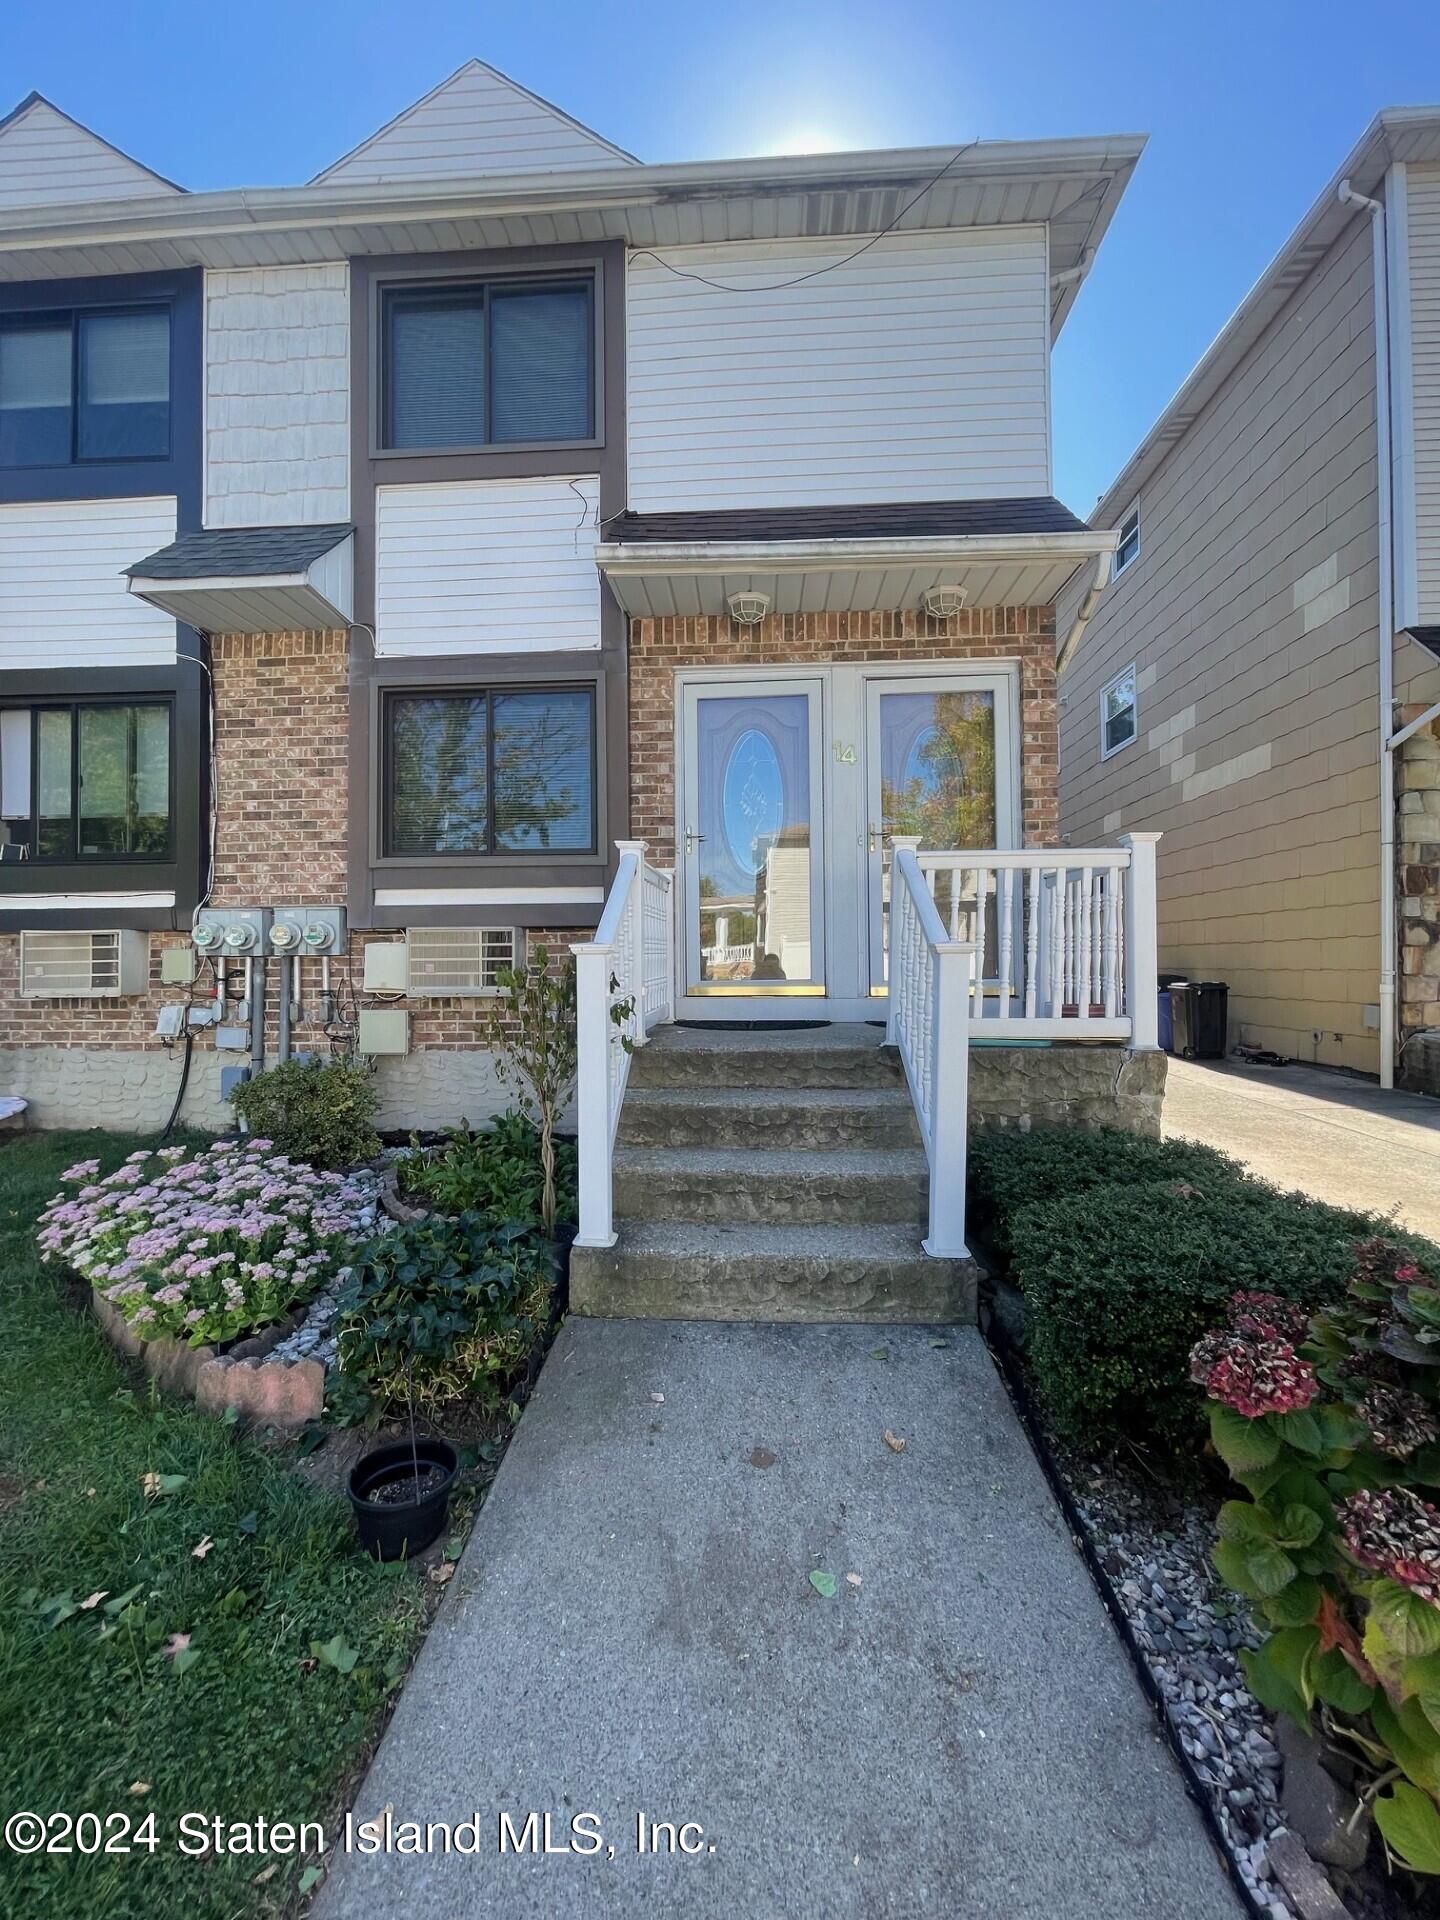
point(792, 784)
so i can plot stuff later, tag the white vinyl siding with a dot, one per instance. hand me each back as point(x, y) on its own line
point(63, 598)
point(1423, 195)
point(45, 159)
point(476, 122)
point(277, 396)
point(918, 371)
point(486, 566)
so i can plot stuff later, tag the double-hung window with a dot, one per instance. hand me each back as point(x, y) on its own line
point(1117, 713)
point(1128, 549)
point(492, 771)
point(87, 385)
point(86, 781)
point(475, 364)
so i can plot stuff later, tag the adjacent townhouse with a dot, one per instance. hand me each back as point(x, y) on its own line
point(377, 553)
point(1255, 671)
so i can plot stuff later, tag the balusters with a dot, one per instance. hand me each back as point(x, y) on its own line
point(1005, 930)
point(1032, 945)
point(1112, 943)
point(1082, 945)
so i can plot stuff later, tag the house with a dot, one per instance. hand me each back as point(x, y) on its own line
point(380, 555)
point(1257, 675)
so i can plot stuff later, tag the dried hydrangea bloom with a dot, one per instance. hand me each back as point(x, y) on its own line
point(1268, 1317)
point(1400, 1422)
point(1395, 1532)
point(1252, 1374)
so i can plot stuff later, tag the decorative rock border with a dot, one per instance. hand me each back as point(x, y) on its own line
point(278, 1392)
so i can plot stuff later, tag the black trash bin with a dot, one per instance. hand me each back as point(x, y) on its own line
point(1198, 1014)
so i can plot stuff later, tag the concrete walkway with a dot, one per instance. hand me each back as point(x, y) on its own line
point(633, 1630)
point(1336, 1136)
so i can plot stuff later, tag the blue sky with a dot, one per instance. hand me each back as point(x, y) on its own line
point(1249, 109)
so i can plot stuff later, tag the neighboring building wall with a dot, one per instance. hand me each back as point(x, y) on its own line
point(919, 371)
point(1418, 860)
point(281, 704)
point(1251, 619)
point(63, 597)
point(277, 396)
point(659, 647)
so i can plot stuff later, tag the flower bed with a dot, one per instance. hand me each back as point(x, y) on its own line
point(203, 1267)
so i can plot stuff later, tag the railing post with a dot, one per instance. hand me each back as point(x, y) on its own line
point(638, 1035)
point(1142, 952)
point(592, 1093)
point(950, 1093)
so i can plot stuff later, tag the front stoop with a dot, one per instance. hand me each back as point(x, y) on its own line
point(769, 1176)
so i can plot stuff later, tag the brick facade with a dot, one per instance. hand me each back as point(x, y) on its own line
point(981, 636)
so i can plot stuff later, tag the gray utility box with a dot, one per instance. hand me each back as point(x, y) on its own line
point(309, 929)
point(230, 932)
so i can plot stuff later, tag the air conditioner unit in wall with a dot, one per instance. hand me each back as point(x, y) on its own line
point(458, 960)
point(73, 963)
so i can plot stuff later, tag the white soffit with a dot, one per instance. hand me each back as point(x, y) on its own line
point(663, 580)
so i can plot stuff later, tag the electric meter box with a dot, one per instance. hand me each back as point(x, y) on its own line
point(310, 930)
point(230, 933)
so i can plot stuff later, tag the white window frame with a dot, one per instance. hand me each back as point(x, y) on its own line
point(1108, 752)
point(1117, 565)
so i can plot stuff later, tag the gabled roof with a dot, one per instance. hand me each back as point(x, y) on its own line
point(47, 158)
point(479, 121)
point(1395, 134)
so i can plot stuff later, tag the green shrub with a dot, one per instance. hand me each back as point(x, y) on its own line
point(499, 1173)
point(320, 1111)
point(1006, 1171)
point(1120, 1282)
point(446, 1309)
point(1333, 1431)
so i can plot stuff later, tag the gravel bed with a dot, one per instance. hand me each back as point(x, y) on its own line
point(1190, 1631)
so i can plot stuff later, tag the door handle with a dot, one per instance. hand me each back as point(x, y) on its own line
point(692, 839)
point(877, 837)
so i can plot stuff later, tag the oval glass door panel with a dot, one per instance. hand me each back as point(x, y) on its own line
point(753, 856)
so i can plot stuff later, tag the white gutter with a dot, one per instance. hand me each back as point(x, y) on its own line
point(635, 557)
point(1104, 563)
point(1388, 941)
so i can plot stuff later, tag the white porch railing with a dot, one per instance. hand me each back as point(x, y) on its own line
point(631, 961)
point(1065, 937)
point(928, 1021)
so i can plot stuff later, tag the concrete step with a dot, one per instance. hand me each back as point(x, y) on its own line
point(834, 1056)
point(755, 1117)
point(731, 1188)
point(677, 1270)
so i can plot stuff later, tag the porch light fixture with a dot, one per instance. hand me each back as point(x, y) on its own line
point(941, 602)
point(748, 609)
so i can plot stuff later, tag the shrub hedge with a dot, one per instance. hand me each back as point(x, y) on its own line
point(1007, 1171)
point(1127, 1250)
point(322, 1111)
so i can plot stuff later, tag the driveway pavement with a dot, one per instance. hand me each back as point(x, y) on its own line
point(948, 1729)
point(1334, 1135)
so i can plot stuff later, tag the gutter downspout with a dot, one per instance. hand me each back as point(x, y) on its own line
point(1375, 208)
point(1098, 584)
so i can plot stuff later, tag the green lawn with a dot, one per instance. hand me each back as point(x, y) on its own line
point(90, 1704)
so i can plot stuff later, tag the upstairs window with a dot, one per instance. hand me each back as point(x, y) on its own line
point(503, 771)
point(490, 364)
point(89, 781)
point(1117, 713)
point(84, 386)
point(1129, 547)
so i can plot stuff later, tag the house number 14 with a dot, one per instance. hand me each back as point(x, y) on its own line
point(844, 752)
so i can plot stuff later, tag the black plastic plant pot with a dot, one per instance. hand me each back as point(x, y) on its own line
point(392, 1523)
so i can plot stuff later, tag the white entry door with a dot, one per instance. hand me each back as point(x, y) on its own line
point(750, 841)
point(940, 765)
